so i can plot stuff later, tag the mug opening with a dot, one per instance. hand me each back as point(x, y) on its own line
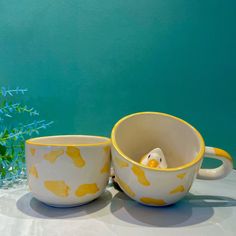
point(137, 134)
point(69, 140)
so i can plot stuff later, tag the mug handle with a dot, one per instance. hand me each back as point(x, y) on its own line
point(221, 171)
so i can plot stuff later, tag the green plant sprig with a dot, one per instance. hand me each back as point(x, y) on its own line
point(12, 137)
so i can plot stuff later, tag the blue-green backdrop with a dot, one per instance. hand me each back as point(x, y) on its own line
point(87, 63)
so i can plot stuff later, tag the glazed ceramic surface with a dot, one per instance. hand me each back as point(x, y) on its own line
point(67, 170)
point(183, 146)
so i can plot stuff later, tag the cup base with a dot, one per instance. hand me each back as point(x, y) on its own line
point(66, 205)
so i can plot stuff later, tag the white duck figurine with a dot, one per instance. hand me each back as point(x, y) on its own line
point(154, 159)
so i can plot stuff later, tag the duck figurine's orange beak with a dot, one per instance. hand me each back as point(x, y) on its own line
point(153, 164)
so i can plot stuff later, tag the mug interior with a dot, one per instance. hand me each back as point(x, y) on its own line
point(69, 140)
point(138, 134)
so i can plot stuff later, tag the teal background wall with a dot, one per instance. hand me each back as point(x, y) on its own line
point(87, 63)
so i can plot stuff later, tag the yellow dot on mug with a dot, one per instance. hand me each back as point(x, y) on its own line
point(140, 175)
point(120, 162)
point(32, 151)
point(107, 150)
point(33, 171)
point(74, 154)
point(106, 167)
point(53, 155)
point(153, 201)
point(85, 189)
point(181, 176)
point(178, 189)
point(59, 188)
point(222, 153)
point(125, 187)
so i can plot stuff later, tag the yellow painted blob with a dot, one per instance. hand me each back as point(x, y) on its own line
point(53, 155)
point(32, 151)
point(107, 150)
point(140, 175)
point(74, 154)
point(181, 176)
point(178, 189)
point(153, 201)
point(106, 167)
point(120, 162)
point(85, 189)
point(222, 153)
point(59, 188)
point(33, 171)
point(125, 187)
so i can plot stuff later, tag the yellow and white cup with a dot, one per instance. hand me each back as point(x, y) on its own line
point(184, 149)
point(67, 170)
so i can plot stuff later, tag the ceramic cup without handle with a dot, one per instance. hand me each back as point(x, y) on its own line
point(184, 149)
point(67, 170)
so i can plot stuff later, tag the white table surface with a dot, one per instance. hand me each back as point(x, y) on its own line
point(209, 209)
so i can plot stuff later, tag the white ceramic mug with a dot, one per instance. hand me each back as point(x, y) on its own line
point(67, 170)
point(184, 149)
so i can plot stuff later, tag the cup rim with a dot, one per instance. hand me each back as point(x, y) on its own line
point(32, 141)
point(196, 159)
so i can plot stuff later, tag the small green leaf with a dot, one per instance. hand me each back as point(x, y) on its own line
point(3, 150)
point(5, 134)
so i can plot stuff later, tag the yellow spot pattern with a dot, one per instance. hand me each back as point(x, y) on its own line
point(32, 151)
point(33, 171)
point(107, 150)
point(106, 167)
point(140, 175)
point(125, 187)
point(120, 163)
point(53, 155)
point(153, 201)
point(222, 153)
point(85, 189)
point(59, 188)
point(178, 189)
point(74, 154)
point(181, 176)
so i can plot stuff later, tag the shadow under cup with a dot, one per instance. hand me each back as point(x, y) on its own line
point(139, 134)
